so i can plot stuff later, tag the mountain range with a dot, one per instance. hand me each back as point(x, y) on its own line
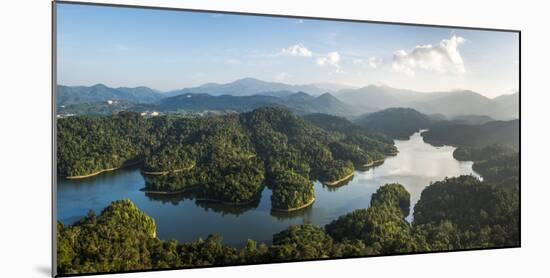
point(252, 86)
point(249, 93)
point(300, 103)
point(67, 95)
point(449, 104)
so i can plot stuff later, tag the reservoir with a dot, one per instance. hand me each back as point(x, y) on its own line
point(182, 218)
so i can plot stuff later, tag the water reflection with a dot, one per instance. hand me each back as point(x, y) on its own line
point(184, 218)
point(336, 187)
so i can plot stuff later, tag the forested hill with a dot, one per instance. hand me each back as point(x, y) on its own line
point(454, 214)
point(68, 95)
point(398, 123)
point(494, 132)
point(226, 158)
point(493, 147)
point(300, 103)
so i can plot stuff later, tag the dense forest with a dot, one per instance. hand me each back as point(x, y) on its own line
point(453, 214)
point(225, 158)
point(493, 147)
point(478, 136)
point(397, 123)
point(497, 164)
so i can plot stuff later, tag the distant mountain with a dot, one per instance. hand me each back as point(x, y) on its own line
point(144, 94)
point(248, 87)
point(472, 119)
point(332, 87)
point(342, 125)
point(449, 104)
point(379, 97)
point(509, 104)
point(300, 103)
point(198, 102)
point(67, 95)
point(398, 123)
point(495, 132)
point(331, 98)
point(457, 103)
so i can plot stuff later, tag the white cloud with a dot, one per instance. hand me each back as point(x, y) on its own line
point(281, 76)
point(443, 58)
point(297, 50)
point(299, 21)
point(331, 59)
point(372, 62)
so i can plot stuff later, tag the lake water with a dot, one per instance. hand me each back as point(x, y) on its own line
point(185, 219)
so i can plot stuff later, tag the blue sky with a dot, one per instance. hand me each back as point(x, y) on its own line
point(168, 50)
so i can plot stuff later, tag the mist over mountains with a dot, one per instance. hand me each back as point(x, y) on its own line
point(450, 104)
point(249, 93)
point(252, 86)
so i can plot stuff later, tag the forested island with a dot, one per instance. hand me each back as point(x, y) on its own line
point(230, 158)
point(492, 146)
point(227, 159)
point(453, 214)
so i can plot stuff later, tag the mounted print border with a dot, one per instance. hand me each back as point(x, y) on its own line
point(189, 138)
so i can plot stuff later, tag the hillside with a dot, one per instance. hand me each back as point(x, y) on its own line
point(449, 104)
point(249, 93)
point(300, 103)
point(495, 132)
point(397, 123)
point(225, 158)
point(472, 119)
point(248, 87)
point(67, 95)
point(510, 104)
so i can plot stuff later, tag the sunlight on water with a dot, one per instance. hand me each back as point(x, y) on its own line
point(184, 219)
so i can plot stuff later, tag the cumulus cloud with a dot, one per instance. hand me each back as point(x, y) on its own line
point(443, 58)
point(297, 50)
point(331, 59)
point(372, 62)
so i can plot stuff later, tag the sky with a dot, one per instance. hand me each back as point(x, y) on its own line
point(167, 50)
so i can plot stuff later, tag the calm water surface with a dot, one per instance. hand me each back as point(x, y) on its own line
point(184, 219)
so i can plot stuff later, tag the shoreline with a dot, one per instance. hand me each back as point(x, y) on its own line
point(162, 173)
point(229, 203)
point(101, 171)
point(169, 192)
point(336, 182)
point(92, 174)
point(296, 208)
point(372, 163)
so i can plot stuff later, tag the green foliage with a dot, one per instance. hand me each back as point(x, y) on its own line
point(456, 213)
point(335, 170)
point(476, 136)
point(397, 123)
point(86, 145)
point(497, 164)
point(376, 144)
point(305, 241)
point(392, 195)
point(117, 240)
point(463, 212)
point(353, 153)
point(207, 252)
point(292, 191)
point(382, 227)
point(229, 159)
point(222, 158)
